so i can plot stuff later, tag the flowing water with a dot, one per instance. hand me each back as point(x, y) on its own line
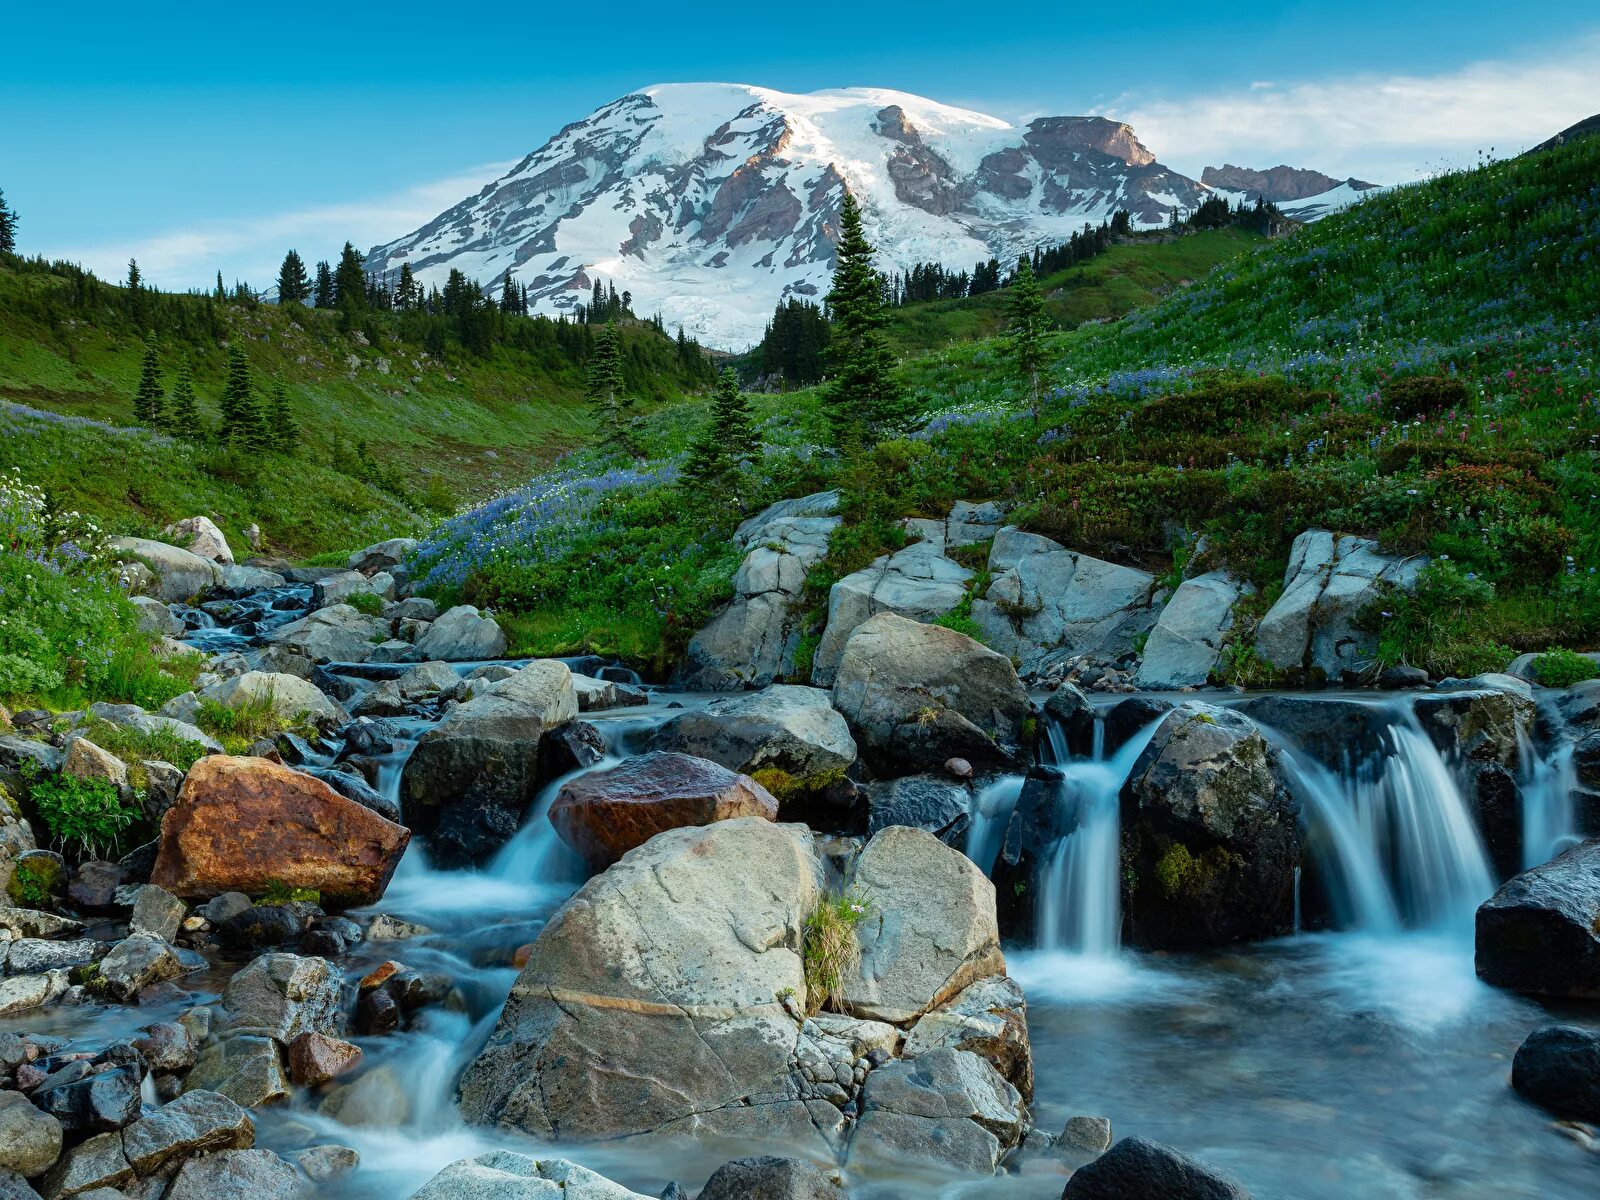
point(1363, 1061)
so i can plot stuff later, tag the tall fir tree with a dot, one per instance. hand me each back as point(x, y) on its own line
point(185, 416)
point(864, 398)
point(242, 423)
point(1026, 324)
point(221, 293)
point(294, 285)
point(149, 402)
point(8, 227)
point(607, 390)
point(350, 281)
point(281, 428)
point(322, 290)
point(728, 438)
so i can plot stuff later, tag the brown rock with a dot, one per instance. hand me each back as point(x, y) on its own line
point(316, 1058)
point(381, 974)
point(241, 824)
point(605, 814)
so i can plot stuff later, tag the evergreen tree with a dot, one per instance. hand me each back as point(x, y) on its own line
point(185, 418)
point(8, 227)
point(350, 281)
point(221, 293)
point(242, 423)
point(281, 428)
point(149, 407)
point(294, 286)
point(1026, 324)
point(607, 389)
point(136, 296)
point(322, 292)
point(864, 398)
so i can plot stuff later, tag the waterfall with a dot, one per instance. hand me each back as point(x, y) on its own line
point(1079, 905)
point(1549, 825)
point(991, 813)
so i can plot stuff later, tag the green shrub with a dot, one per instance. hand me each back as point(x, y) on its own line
point(279, 892)
point(1410, 396)
point(829, 949)
point(86, 817)
point(369, 603)
point(1560, 667)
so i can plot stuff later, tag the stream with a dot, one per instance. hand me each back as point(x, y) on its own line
point(1363, 1059)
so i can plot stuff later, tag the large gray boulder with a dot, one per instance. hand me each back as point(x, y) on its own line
point(281, 996)
point(506, 1175)
point(916, 695)
point(200, 535)
point(288, 696)
point(1186, 641)
point(258, 1174)
point(946, 1106)
point(337, 633)
point(1330, 580)
point(337, 588)
point(653, 1000)
point(768, 1177)
point(1540, 933)
point(753, 640)
point(784, 728)
point(131, 716)
point(30, 1140)
point(181, 575)
point(1044, 600)
point(918, 582)
point(471, 777)
point(381, 556)
point(155, 617)
point(1210, 843)
point(462, 634)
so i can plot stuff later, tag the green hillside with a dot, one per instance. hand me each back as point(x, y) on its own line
point(399, 421)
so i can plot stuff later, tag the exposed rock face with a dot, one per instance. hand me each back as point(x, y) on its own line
point(259, 1174)
point(915, 694)
point(1280, 183)
point(1209, 837)
point(769, 1178)
point(282, 996)
point(784, 728)
point(1558, 1068)
point(1186, 641)
point(928, 802)
point(381, 556)
point(471, 776)
point(753, 640)
point(946, 1106)
point(1139, 1169)
point(650, 1001)
point(1478, 726)
point(337, 633)
point(918, 582)
point(196, 1122)
point(930, 927)
point(241, 824)
point(462, 634)
point(988, 1018)
point(180, 574)
point(604, 814)
point(287, 695)
point(1329, 581)
point(504, 1175)
point(1044, 598)
point(200, 535)
point(30, 1139)
point(1540, 933)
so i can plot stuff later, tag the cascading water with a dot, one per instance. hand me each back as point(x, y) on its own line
point(1546, 782)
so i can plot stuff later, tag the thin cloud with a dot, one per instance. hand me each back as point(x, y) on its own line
point(1386, 128)
point(251, 248)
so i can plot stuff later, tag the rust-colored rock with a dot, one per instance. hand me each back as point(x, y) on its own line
point(605, 814)
point(381, 974)
point(316, 1058)
point(241, 824)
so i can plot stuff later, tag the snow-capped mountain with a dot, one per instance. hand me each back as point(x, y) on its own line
point(712, 202)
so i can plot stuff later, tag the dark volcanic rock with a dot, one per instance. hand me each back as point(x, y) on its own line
point(1129, 716)
point(1558, 1068)
point(1139, 1169)
point(1540, 933)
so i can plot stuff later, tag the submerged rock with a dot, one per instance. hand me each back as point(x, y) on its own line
point(604, 814)
point(1540, 933)
point(1209, 836)
point(1139, 1169)
point(1558, 1068)
point(769, 1177)
point(244, 824)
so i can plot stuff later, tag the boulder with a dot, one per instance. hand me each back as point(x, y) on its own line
point(945, 1106)
point(282, 996)
point(1540, 932)
point(1331, 578)
point(316, 1058)
point(918, 582)
point(1089, 1136)
point(354, 787)
point(1071, 712)
point(928, 802)
point(1478, 726)
point(337, 588)
point(180, 574)
point(137, 962)
point(244, 824)
point(428, 679)
point(30, 1139)
point(155, 617)
point(770, 1178)
point(131, 716)
point(753, 641)
point(324, 1163)
point(258, 1174)
point(93, 1104)
point(471, 777)
point(288, 696)
point(197, 1122)
point(1558, 1068)
point(988, 1018)
point(791, 731)
point(96, 1163)
point(1139, 1169)
point(247, 1070)
point(929, 930)
point(652, 1001)
point(604, 814)
point(915, 694)
point(971, 522)
point(1210, 844)
point(87, 762)
point(158, 913)
point(241, 580)
point(598, 695)
point(200, 535)
point(462, 634)
point(504, 1175)
point(335, 634)
point(35, 956)
point(1187, 638)
point(377, 1099)
point(1044, 600)
point(380, 556)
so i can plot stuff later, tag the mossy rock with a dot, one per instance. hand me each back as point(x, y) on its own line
point(40, 877)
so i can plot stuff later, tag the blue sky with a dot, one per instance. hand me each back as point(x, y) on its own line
point(201, 138)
